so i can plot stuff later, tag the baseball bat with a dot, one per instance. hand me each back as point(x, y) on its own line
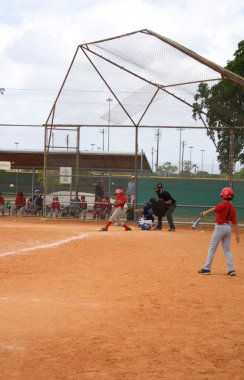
point(195, 224)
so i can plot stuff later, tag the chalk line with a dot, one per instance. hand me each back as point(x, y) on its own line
point(44, 246)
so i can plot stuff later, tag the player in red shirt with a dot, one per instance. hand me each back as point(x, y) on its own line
point(2, 203)
point(55, 207)
point(118, 208)
point(225, 214)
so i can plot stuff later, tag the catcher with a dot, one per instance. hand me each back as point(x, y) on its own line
point(118, 208)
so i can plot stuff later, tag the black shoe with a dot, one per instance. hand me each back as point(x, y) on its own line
point(172, 229)
point(231, 273)
point(204, 271)
point(158, 228)
point(128, 229)
point(103, 229)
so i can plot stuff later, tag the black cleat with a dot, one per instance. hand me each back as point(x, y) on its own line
point(231, 273)
point(103, 229)
point(204, 271)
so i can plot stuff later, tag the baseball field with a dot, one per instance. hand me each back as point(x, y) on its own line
point(76, 303)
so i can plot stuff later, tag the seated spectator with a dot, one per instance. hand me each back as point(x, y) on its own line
point(19, 204)
point(73, 210)
point(29, 206)
point(55, 208)
point(2, 203)
point(97, 209)
point(106, 207)
point(37, 203)
point(83, 207)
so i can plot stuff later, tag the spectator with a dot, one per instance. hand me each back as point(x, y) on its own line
point(99, 189)
point(83, 207)
point(97, 209)
point(131, 191)
point(19, 204)
point(35, 204)
point(106, 207)
point(2, 203)
point(55, 207)
point(73, 209)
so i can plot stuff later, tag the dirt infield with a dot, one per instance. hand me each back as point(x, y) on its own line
point(77, 303)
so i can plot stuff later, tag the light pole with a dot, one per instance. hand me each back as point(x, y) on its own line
point(92, 145)
point(184, 143)
point(109, 100)
point(202, 150)
point(103, 133)
point(190, 147)
point(180, 129)
point(16, 144)
point(67, 142)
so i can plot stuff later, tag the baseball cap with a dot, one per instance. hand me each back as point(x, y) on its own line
point(159, 185)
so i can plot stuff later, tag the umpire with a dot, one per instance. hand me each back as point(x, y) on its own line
point(166, 205)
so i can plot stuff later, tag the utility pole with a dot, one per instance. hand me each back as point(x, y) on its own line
point(103, 133)
point(158, 137)
point(67, 142)
point(109, 100)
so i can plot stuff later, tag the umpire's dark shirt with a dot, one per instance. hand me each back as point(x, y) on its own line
point(165, 196)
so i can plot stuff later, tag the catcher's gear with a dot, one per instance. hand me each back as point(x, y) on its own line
point(227, 193)
point(119, 192)
point(145, 224)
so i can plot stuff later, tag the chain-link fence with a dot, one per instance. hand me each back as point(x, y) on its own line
point(137, 104)
point(73, 172)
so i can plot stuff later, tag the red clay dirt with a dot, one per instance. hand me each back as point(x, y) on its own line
point(77, 303)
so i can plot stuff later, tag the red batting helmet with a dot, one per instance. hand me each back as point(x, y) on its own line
point(119, 192)
point(227, 193)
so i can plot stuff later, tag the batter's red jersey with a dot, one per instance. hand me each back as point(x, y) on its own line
point(122, 199)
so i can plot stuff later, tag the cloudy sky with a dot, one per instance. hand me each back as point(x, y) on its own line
point(39, 38)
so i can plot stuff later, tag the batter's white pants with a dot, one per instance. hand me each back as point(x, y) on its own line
point(116, 216)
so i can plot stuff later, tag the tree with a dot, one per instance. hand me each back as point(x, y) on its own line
point(222, 105)
point(167, 169)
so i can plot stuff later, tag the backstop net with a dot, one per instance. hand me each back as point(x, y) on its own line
point(142, 105)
